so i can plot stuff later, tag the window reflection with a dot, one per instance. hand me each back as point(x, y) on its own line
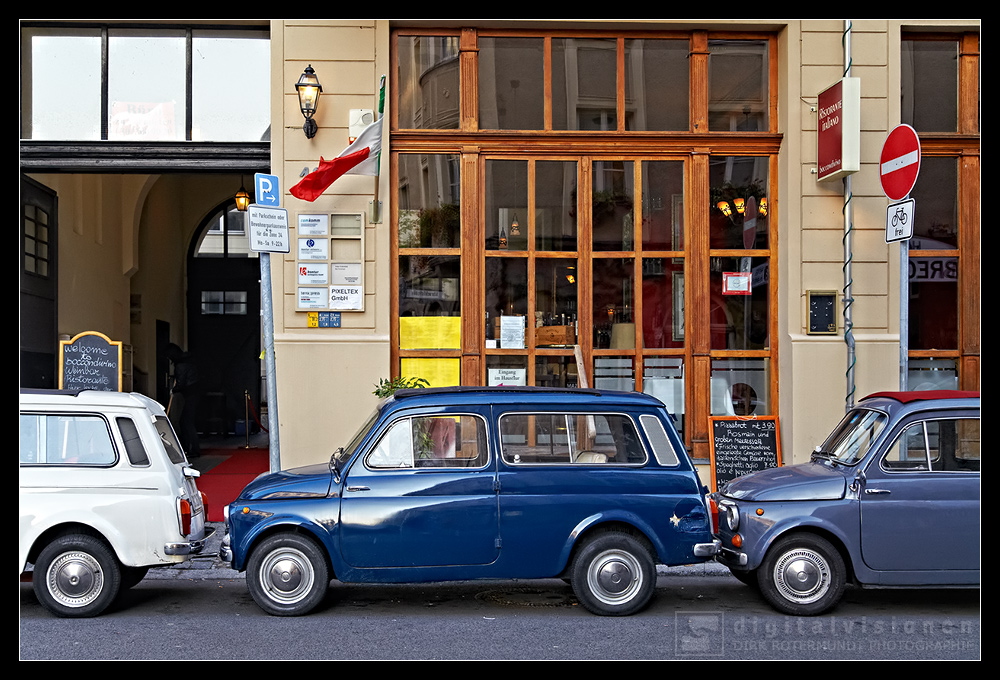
point(737, 86)
point(740, 387)
point(739, 202)
point(657, 84)
point(740, 293)
point(61, 94)
point(929, 84)
point(555, 205)
point(224, 113)
point(428, 82)
point(429, 201)
point(613, 200)
point(584, 84)
point(511, 84)
point(506, 205)
point(147, 96)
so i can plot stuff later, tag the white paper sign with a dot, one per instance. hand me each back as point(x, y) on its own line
point(346, 273)
point(346, 297)
point(512, 332)
point(312, 298)
point(314, 249)
point(506, 376)
point(311, 273)
point(314, 225)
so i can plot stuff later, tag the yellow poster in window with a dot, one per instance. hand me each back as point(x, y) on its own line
point(430, 332)
point(437, 372)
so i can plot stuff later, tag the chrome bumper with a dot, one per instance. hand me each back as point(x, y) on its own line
point(190, 547)
point(707, 549)
point(225, 551)
point(732, 558)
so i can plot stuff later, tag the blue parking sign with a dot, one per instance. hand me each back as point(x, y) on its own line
point(267, 190)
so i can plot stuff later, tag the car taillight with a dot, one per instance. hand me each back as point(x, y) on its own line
point(714, 509)
point(185, 516)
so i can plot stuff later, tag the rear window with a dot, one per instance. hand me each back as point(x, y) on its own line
point(65, 439)
point(169, 440)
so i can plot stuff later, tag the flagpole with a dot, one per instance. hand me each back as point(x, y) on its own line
point(375, 214)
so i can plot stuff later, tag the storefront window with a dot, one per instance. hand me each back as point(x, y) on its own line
point(612, 207)
point(740, 387)
point(929, 72)
point(506, 205)
point(663, 377)
point(555, 205)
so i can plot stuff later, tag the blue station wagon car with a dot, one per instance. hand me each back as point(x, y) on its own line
point(891, 499)
point(464, 483)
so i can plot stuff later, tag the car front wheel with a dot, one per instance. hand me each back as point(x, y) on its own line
point(802, 575)
point(614, 574)
point(76, 576)
point(287, 575)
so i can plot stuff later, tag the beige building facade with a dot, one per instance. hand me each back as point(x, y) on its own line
point(549, 185)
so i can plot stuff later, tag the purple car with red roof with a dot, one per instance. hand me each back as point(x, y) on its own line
point(891, 499)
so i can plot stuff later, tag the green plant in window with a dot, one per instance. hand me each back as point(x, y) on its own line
point(386, 388)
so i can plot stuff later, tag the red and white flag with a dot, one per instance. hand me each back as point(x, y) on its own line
point(360, 158)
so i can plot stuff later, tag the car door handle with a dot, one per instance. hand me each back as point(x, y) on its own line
point(877, 491)
point(358, 488)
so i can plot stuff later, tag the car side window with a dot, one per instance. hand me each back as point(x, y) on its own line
point(570, 438)
point(134, 449)
point(457, 441)
point(65, 439)
point(947, 444)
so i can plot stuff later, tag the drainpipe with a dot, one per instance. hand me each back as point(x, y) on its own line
point(848, 300)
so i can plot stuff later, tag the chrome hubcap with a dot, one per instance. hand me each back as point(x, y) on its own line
point(286, 575)
point(75, 579)
point(802, 576)
point(614, 577)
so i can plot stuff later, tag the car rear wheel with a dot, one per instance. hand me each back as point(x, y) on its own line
point(76, 576)
point(802, 575)
point(614, 574)
point(287, 575)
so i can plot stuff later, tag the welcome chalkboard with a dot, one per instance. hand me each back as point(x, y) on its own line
point(90, 361)
point(742, 445)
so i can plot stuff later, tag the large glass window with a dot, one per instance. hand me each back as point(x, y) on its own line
point(571, 258)
point(940, 98)
point(147, 78)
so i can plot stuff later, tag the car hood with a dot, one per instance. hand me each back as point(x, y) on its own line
point(311, 481)
point(805, 482)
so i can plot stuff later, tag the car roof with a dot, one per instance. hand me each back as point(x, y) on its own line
point(87, 398)
point(924, 395)
point(535, 396)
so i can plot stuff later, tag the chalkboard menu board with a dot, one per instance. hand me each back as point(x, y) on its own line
point(90, 361)
point(743, 445)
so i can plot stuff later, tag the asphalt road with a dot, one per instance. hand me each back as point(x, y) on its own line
point(204, 612)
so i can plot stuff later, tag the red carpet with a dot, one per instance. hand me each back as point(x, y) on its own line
point(223, 483)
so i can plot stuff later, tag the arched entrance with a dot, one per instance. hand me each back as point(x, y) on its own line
point(224, 332)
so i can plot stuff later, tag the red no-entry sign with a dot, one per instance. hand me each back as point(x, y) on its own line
point(899, 164)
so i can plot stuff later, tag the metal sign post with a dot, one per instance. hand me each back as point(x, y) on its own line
point(268, 231)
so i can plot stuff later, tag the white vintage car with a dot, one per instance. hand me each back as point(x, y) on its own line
point(105, 493)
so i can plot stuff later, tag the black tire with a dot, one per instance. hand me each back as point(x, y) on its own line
point(802, 575)
point(132, 576)
point(287, 575)
point(76, 576)
point(614, 574)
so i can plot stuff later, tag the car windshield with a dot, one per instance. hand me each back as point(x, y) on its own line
point(344, 454)
point(851, 440)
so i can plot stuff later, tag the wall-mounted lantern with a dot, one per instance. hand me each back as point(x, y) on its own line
point(308, 89)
